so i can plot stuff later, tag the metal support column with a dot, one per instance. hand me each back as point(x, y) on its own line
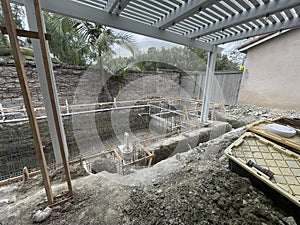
point(52, 94)
point(210, 70)
point(30, 12)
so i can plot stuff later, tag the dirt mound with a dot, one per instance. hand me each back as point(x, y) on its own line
point(197, 195)
point(215, 196)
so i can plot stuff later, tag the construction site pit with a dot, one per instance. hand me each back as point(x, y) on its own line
point(188, 182)
point(116, 137)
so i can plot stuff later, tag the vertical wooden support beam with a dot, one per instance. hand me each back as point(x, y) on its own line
point(11, 28)
point(38, 14)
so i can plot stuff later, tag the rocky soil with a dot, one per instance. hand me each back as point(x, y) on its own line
point(195, 187)
point(240, 115)
point(203, 193)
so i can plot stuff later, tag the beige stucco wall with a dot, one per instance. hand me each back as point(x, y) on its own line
point(272, 73)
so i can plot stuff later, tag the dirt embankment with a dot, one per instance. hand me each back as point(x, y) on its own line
point(203, 194)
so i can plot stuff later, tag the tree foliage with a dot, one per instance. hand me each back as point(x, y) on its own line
point(98, 39)
point(80, 42)
point(18, 14)
point(67, 45)
point(183, 58)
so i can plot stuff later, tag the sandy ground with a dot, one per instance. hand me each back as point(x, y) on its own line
point(195, 187)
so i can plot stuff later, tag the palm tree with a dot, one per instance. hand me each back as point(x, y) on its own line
point(100, 38)
point(67, 45)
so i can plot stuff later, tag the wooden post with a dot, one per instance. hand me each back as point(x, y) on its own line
point(38, 14)
point(150, 161)
point(2, 112)
point(25, 174)
point(11, 30)
point(185, 113)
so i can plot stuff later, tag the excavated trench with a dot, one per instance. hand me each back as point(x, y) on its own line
point(96, 132)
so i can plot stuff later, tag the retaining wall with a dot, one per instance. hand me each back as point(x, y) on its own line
point(83, 85)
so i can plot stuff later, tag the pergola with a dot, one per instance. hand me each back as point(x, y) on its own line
point(202, 24)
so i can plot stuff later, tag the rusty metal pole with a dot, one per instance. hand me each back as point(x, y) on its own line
point(54, 104)
point(11, 30)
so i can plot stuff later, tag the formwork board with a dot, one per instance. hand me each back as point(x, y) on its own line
point(284, 163)
point(260, 128)
point(295, 123)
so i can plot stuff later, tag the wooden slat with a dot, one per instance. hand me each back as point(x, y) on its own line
point(26, 33)
point(137, 161)
point(38, 14)
point(234, 6)
point(261, 129)
point(297, 9)
point(11, 29)
point(216, 10)
point(289, 14)
point(244, 4)
point(254, 2)
point(221, 6)
point(18, 178)
point(118, 156)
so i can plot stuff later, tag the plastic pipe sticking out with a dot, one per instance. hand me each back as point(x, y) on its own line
point(126, 141)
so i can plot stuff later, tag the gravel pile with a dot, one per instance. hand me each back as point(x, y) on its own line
point(240, 115)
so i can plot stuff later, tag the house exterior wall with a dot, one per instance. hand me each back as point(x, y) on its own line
point(272, 73)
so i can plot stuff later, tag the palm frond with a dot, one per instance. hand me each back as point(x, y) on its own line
point(126, 41)
point(63, 24)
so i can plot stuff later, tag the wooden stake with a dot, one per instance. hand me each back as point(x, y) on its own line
point(11, 30)
point(38, 14)
point(150, 161)
point(213, 113)
point(185, 113)
point(25, 174)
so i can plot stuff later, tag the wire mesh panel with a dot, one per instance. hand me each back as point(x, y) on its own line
point(17, 148)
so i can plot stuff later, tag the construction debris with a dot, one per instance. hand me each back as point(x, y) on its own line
point(42, 215)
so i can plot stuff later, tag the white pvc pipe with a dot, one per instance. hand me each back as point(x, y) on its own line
point(78, 113)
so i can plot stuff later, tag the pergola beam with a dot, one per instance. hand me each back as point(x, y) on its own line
point(288, 24)
point(121, 6)
point(111, 5)
point(252, 14)
point(183, 12)
point(83, 12)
